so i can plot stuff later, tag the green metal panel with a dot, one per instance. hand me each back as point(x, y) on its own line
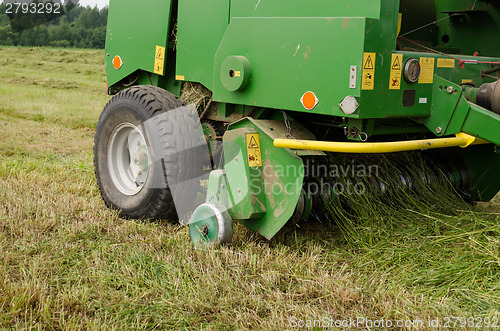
point(244, 182)
point(200, 27)
point(381, 102)
point(452, 113)
point(134, 30)
point(468, 26)
point(282, 173)
point(310, 8)
point(300, 55)
point(280, 178)
point(482, 123)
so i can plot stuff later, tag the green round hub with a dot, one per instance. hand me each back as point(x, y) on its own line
point(210, 226)
point(236, 73)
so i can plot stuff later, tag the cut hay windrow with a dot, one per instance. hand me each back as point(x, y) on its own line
point(379, 192)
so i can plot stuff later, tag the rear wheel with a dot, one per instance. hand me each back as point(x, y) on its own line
point(129, 178)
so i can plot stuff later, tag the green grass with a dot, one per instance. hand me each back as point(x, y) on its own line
point(66, 262)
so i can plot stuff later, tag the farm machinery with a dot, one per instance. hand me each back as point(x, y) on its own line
point(223, 108)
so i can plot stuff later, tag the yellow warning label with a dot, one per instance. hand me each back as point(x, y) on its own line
point(253, 150)
point(368, 81)
point(446, 63)
point(467, 81)
point(396, 70)
point(427, 70)
point(237, 74)
point(179, 77)
point(159, 60)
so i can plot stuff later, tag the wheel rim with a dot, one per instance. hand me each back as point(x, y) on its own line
point(210, 226)
point(204, 228)
point(128, 159)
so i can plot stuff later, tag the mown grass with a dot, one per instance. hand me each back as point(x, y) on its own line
point(66, 262)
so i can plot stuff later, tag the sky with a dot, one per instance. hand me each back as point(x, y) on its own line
point(92, 3)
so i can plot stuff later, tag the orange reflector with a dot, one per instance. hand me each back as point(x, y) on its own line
point(309, 100)
point(117, 62)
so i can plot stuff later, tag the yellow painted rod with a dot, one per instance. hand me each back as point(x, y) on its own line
point(461, 140)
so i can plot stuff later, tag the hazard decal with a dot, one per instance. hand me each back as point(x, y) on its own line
point(396, 72)
point(427, 67)
point(253, 150)
point(159, 60)
point(368, 81)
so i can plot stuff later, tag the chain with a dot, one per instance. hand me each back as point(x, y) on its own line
point(355, 133)
point(288, 126)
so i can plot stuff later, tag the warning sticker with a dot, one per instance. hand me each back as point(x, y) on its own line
point(253, 150)
point(159, 60)
point(368, 81)
point(446, 63)
point(427, 70)
point(396, 70)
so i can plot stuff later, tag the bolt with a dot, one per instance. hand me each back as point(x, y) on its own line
point(139, 172)
point(238, 190)
point(439, 130)
point(236, 159)
point(204, 230)
point(138, 143)
point(449, 89)
point(135, 159)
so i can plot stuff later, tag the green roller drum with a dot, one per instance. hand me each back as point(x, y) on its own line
point(278, 85)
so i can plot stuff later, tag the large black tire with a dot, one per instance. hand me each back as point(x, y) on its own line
point(130, 110)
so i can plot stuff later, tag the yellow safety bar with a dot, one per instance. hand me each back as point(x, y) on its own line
point(461, 140)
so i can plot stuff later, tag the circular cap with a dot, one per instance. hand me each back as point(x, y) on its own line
point(349, 105)
point(236, 73)
point(210, 225)
point(412, 70)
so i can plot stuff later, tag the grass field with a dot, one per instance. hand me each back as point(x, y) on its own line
point(66, 262)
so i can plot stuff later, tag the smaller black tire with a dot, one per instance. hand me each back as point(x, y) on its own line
point(127, 177)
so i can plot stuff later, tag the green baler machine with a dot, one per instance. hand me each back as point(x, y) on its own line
point(285, 82)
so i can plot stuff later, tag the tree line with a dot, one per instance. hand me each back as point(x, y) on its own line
point(81, 27)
